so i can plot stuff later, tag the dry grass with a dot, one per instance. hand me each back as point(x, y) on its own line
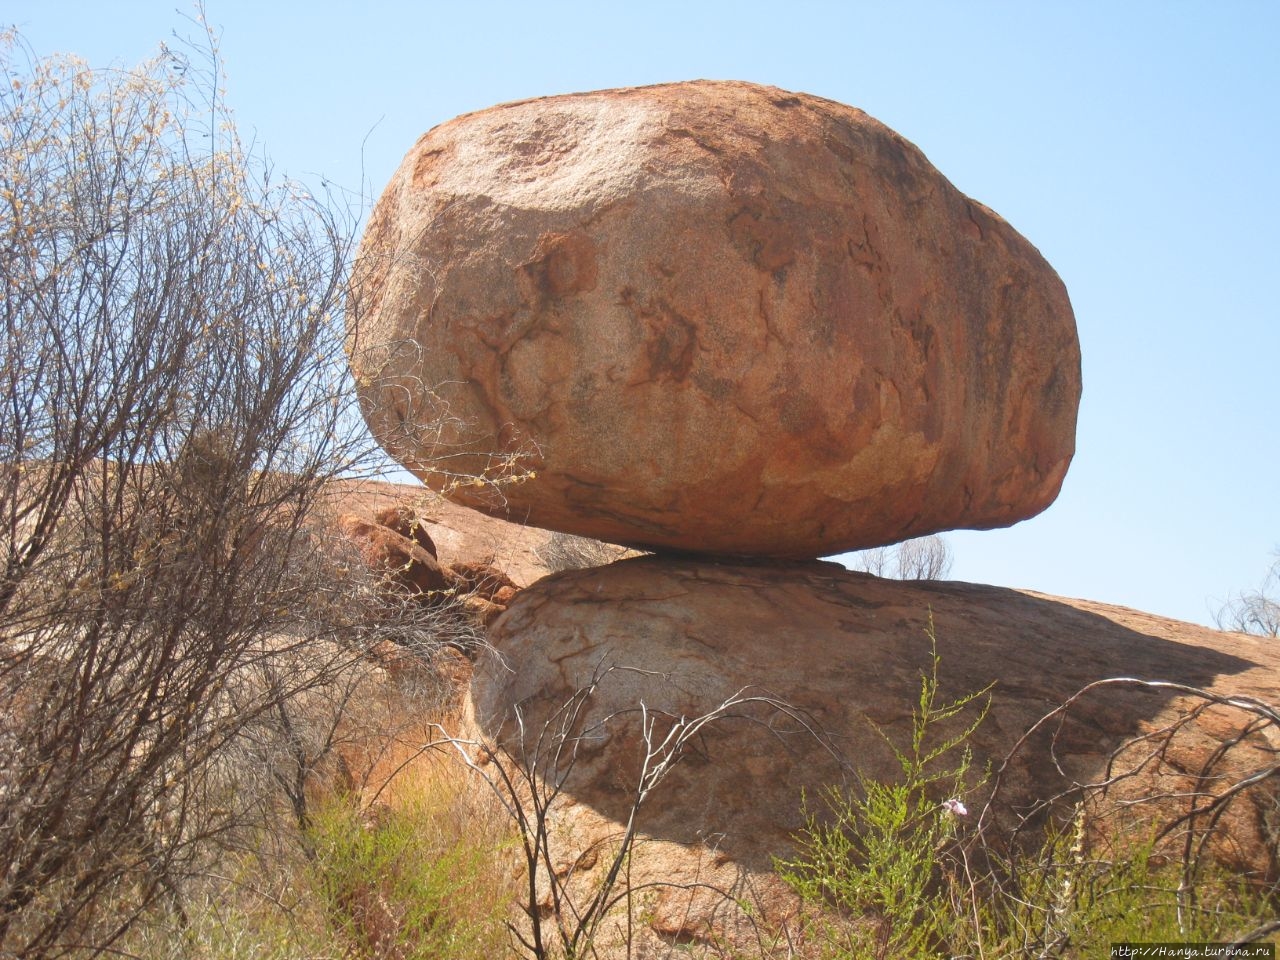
point(404, 855)
point(411, 849)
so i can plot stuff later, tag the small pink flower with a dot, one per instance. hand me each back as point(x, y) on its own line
point(955, 807)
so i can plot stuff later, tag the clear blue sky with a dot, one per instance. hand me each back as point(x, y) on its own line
point(1134, 143)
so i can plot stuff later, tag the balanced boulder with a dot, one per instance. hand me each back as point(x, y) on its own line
point(710, 316)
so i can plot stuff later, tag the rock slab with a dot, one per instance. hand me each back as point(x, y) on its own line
point(845, 652)
point(710, 316)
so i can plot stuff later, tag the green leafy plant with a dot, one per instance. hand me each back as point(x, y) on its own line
point(879, 852)
point(887, 869)
point(1067, 902)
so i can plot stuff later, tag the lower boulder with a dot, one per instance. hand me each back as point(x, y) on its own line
point(808, 673)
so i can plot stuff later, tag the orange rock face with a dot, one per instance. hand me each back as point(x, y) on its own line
point(397, 547)
point(395, 556)
point(711, 316)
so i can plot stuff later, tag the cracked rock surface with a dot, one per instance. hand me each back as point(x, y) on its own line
point(710, 316)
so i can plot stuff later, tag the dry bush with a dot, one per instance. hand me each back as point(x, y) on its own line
point(924, 558)
point(401, 855)
point(577, 902)
point(1255, 611)
point(1176, 839)
point(173, 404)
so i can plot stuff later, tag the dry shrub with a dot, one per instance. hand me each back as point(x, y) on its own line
point(172, 402)
point(923, 558)
point(1255, 611)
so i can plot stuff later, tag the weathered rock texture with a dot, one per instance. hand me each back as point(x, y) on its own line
point(396, 558)
point(711, 316)
point(843, 649)
point(459, 538)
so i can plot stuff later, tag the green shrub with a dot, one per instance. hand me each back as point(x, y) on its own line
point(877, 854)
point(1066, 903)
point(887, 873)
point(396, 883)
point(227, 923)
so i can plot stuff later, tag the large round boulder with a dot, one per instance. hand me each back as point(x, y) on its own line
point(710, 316)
